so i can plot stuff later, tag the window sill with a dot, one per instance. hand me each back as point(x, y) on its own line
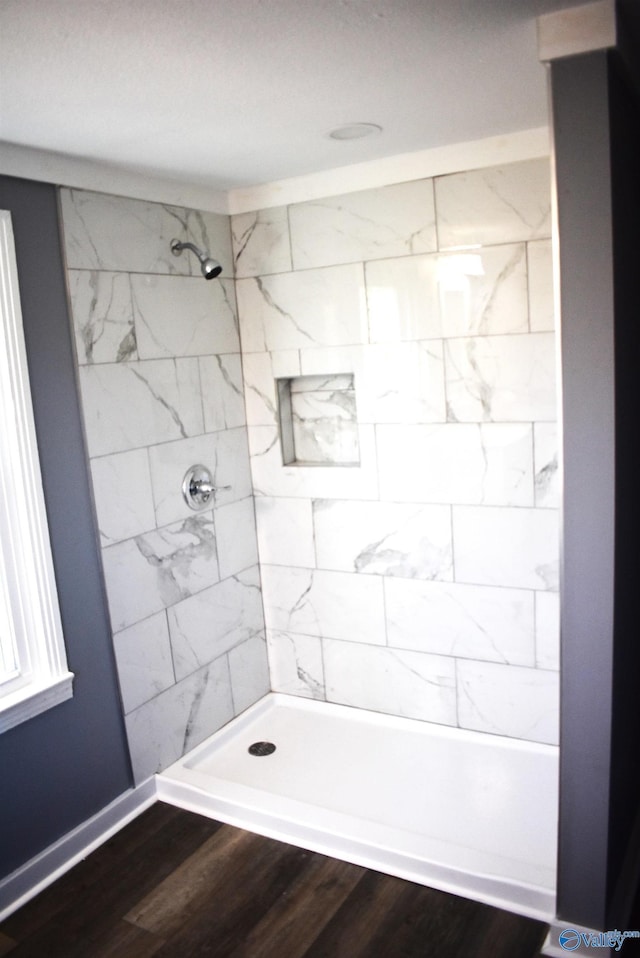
point(32, 699)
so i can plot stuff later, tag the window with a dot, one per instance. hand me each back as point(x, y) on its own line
point(33, 667)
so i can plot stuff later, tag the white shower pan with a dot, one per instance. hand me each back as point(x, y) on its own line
point(465, 812)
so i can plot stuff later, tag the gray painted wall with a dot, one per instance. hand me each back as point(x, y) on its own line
point(63, 766)
point(594, 115)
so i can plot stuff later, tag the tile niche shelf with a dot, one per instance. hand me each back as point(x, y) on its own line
point(318, 423)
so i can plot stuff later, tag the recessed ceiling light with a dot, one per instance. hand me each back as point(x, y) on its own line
point(354, 131)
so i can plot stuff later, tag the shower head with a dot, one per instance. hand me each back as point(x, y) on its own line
point(210, 267)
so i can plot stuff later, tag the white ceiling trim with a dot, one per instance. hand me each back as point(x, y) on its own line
point(44, 166)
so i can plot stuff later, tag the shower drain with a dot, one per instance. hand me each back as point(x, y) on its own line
point(261, 748)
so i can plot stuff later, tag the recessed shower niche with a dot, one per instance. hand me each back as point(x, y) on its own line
point(318, 423)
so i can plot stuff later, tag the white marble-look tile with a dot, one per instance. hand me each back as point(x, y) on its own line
point(490, 464)
point(502, 204)
point(484, 292)
point(260, 389)
point(337, 605)
point(236, 537)
point(410, 684)
point(545, 458)
point(261, 242)
point(102, 316)
point(285, 531)
point(295, 664)
point(128, 405)
point(548, 630)
point(402, 298)
point(508, 547)
point(508, 700)
point(117, 233)
point(249, 670)
point(401, 382)
point(383, 538)
point(215, 620)
point(501, 378)
point(541, 287)
point(145, 666)
point(466, 621)
point(392, 220)
point(164, 729)
point(155, 570)
point(272, 478)
point(319, 307)
point(224, 453)
point(222, 392)
point(183, 316)
point(394, 382)
point(123, 495)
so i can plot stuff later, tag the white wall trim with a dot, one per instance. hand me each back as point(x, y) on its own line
point(44, 166)
point(35, 875)
point(403, 168)
point(62, 170)
point(591, 26)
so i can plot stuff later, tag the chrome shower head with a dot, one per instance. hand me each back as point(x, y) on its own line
point(210, 267)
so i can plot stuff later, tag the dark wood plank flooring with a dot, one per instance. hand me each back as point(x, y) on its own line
point(176, 885)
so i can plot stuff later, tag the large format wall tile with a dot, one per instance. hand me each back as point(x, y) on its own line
point(503, 204)
point(295, 663)
point(183, 316)
point(215, 620)
point(371, 224)
point(508, 547)
point(145, 665)
point(389, 539)
point(224, 453)
point(139, 404)
point(506, 700)
point(488, 464)
point(475, 292)
point(386, 680)
point(249, 673)
point(465, 621)
point(123, 495)
point(501, 378)
point(261, 242)
point(102, 314)
point(327, 604)
point(316, 307)
point(174, 722)
point(158, 569)
point(115, 233)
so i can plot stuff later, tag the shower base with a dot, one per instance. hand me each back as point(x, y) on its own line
point(465, 812)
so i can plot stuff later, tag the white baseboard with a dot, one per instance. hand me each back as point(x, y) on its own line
point(35, 875)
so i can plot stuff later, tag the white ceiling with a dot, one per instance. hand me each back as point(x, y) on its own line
point(230, 93)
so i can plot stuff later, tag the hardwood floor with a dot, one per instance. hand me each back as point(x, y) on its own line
point(176, 885)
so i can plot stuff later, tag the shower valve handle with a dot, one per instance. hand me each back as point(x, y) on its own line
point(198, 487)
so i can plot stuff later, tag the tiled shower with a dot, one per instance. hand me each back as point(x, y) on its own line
point(395, 348)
